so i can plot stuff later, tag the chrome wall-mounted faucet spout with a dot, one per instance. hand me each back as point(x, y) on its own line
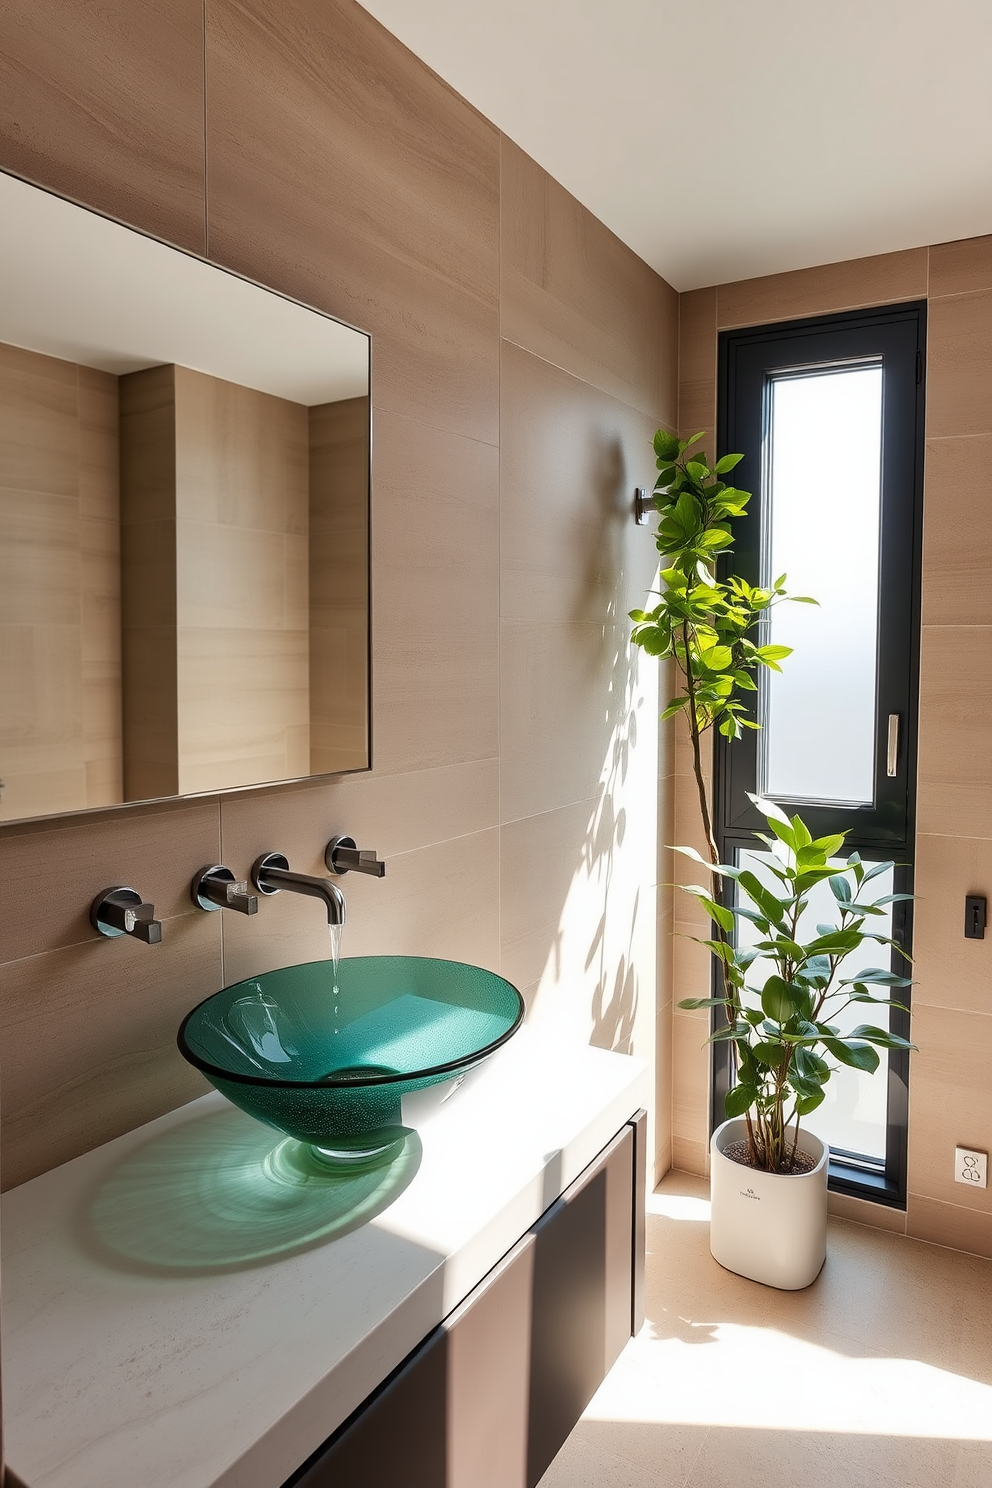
point(271, 872)
point(342, 856)
point(217, 888)
point(120, 911)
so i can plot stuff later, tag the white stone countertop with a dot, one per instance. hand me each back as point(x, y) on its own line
point(182, 1308)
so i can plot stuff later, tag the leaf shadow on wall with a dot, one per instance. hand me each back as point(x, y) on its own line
point(605, 902)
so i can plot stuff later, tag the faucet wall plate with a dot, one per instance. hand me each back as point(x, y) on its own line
point(268, 860)
point(121, 911)
point(343, 855)
point(216, 887)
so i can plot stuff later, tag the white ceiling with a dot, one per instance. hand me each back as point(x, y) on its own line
point(726, 138)
point(78, 286)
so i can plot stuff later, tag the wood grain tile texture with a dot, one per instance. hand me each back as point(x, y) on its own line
point(104, 104)
point(60, 735)
point(344, 173)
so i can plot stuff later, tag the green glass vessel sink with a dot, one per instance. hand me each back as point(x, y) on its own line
point(328, 1060)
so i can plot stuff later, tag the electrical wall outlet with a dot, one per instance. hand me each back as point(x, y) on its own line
point(971, 1167)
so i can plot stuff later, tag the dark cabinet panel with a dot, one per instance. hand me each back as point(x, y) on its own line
point(490, 1396)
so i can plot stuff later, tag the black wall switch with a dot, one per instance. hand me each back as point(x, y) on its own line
point(975, 909)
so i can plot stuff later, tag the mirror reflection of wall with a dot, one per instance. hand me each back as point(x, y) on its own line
point(183, 552)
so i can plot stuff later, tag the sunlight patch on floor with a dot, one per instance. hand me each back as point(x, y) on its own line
point(725, 1374)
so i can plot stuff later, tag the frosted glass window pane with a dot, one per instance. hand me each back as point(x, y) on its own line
point(853, 1115)
point(823, 493)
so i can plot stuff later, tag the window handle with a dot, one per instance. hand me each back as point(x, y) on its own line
point(892, 749)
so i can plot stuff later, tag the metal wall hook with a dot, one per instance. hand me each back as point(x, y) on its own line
point(217, 888)
point(121, 911)
point(644, 507)
point(342, 856)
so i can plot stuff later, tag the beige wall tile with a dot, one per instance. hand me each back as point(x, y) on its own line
point(441, 900)
point(949, 1224)
point(579, 920)
point(572, 293)
point(959, 267)
point(377, 204)
point(955, 769)
point(114, 1061)
point(692, 963)
point(697, 365)
point(690, 1156)
point(576, 709)
point(951, 972)
point(879, 280)
point(959, 365)
point(957, 537)
point(690, 1082)
point(51, 874)
point(435, 597)
point(950, 1100)
point(543, 859)
point(860, 1211)
point(391, 813)
point(570, 458)
point(113, 113)
point(39, 429)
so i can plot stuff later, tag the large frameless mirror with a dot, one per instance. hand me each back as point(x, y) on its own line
point(184, 522)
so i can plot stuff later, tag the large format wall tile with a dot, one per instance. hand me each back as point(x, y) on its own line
point(570, 458)
point(955, 770)
point(950, 1101)
point(343, 172)
point(697, 366)
point(441, 900)
point(574, 705)
point(962, 266)
point(51, 871)
point(957, 536)
point(89, 1040)
point(104, 104)
point(949, 1224)
point(435, 596)
point(852, 285)
point(574, 294)
point(959, 365)
point(950, 971)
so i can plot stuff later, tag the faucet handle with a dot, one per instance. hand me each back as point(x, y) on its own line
point(120, 911)
point(217, 888)
point(342, 856)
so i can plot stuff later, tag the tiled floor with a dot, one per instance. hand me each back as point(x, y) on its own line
point(879, 1375)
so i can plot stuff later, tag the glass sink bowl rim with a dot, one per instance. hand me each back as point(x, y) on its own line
point(349, 1080)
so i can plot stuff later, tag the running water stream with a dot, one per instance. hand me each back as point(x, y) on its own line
point(335, 934)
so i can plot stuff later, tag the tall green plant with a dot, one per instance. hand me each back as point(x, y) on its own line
point(784, 994)
point(710, 625)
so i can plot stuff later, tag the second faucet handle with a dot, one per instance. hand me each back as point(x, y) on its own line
point(343, 856)
point(217, 888)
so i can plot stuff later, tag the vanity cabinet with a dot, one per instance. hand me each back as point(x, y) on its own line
point(489, 1397)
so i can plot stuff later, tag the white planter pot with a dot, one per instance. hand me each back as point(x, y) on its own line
point(770, 1227)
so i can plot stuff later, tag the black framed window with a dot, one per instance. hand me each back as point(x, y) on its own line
point(829, 416)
